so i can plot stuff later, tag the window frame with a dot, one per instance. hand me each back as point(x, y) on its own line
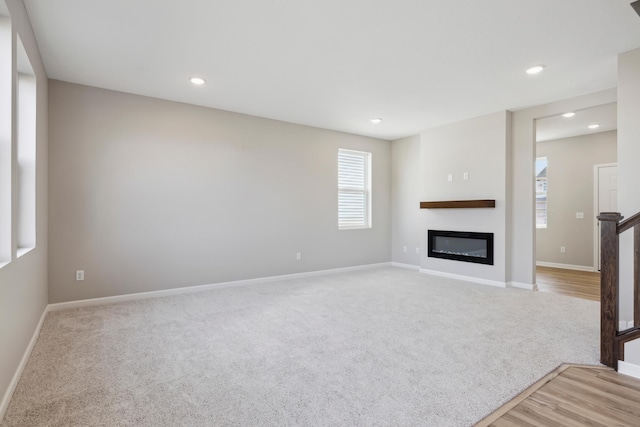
point(364, 188)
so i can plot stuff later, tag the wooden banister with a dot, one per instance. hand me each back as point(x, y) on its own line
point(611, 341)
point(636, 276)
point(624, 337)
point(609, 266)
point(627, 223)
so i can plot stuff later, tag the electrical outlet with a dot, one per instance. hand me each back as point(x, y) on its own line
point(465, 176)
point(79, 275)
point(450, 177)
point(579, 215)
point(298, 256)
point(562, 249)
point(417, 251)
point(404, 249)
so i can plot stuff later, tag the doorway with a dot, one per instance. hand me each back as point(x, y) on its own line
point(572, 149)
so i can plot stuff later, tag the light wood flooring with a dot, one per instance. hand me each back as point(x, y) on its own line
point(580, 284)
point(573, 396)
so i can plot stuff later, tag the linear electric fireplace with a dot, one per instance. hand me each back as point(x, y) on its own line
point(461, 246)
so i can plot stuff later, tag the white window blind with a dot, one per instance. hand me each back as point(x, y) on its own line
point(354, 189)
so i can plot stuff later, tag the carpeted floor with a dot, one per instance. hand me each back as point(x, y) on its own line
point(380, 347)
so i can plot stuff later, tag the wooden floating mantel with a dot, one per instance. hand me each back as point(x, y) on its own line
point(458, 204)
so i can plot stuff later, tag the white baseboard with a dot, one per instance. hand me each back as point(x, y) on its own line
point(464, 278)
point(629, 369)
point(519, 285)
point(202, 288)
point(409, 266)
point(6, 399)
point(566, 266)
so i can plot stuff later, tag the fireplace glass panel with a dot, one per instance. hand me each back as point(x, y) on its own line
point(461, 246)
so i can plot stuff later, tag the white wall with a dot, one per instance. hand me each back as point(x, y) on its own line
point(149, 194)
point(405, 201)
point(628, 166)
point(23, 282)
point(571, 190)
point(480, 147)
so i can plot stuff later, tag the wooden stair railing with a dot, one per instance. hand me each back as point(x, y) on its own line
point(611, 341)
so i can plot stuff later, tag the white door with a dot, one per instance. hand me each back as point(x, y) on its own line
point(606, 179)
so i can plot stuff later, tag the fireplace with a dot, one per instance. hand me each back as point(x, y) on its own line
point(461, 246)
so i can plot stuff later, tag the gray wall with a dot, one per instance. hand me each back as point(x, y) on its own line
point(570, 190)
point(149, 195)
point(421, 164)
point(519, 155)
point(480, 147)
point(23, 282)
point(405, 201)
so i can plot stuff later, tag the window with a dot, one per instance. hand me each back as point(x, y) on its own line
point(354, 189)
point(541, 192)
point(26, 153)
point(17, 145)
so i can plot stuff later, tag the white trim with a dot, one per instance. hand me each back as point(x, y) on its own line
point(630, 369)
point(566, 266)
point(408, 266)
point(202, 288)
point(6, 399)
point(596, 203)
point(519, 285)
point(465, 278)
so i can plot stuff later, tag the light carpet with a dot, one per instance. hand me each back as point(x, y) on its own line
point(380, 347)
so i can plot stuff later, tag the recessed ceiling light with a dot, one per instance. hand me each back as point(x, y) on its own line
point(594, 126)
point(197, 81)
point(569, 114)
point(376, 120)
point(535, 70)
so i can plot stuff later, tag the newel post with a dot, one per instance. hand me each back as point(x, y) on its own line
point(609, 263)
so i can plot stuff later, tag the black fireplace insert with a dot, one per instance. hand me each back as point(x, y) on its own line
point(461, 246)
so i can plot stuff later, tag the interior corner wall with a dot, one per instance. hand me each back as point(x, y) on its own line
point(479, 147)
point(147, 194)
point(570, 190)
point(628, 170)
point(522, 227)
point(405, 201)
point(23, 282)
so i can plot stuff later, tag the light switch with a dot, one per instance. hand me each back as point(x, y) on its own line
point(450, 177)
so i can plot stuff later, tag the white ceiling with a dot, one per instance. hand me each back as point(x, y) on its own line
point(337, 63)
point(557, 127)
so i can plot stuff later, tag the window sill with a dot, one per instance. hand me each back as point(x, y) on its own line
point(364, 227)
point(23, 251)
point(541, 227)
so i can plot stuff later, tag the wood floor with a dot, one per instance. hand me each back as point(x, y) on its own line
point(574, 396)
point(580, 284)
